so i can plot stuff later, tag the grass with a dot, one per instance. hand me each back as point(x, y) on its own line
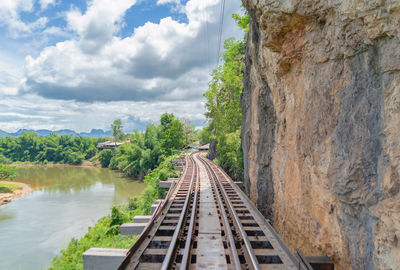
point(8, 188)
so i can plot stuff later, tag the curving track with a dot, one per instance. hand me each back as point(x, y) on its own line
point(207, 222)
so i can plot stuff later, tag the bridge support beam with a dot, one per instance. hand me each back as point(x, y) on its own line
point(132, 228)
point(167, 183)
point(154, 206)
point(103, 258)
point(141, 219)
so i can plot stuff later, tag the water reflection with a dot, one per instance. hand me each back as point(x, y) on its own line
point(72, 179)
point(66, 201)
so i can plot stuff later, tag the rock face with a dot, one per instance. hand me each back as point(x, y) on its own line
point(321, 126)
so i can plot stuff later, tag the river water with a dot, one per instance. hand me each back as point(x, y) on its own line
point(66, 201)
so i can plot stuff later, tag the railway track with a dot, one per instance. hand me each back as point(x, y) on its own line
point(207, 222)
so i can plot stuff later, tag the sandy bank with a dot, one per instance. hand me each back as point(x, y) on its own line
point(8, 197)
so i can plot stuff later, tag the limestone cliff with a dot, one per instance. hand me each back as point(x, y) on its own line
point(321, 126)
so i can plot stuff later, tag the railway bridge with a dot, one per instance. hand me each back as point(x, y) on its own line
point(207, 222)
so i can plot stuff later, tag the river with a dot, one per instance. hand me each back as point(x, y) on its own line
point(65, 202)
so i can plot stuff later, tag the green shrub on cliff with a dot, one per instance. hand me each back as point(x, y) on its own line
point(223, 103)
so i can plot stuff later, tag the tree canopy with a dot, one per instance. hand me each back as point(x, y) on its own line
point(147, 149)
point(29, 147)
point(116, 128)
point(224, 113)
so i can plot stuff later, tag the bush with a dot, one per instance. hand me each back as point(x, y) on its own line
point(163, 175)
point(7, 172)
point(4, 160)
point(230, 158)
point(116, 217)
point(103, 235)
point(73, 157)
point(91, 152)
point(105, 157)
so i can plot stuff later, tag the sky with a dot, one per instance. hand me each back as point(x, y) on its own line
point(80, 64)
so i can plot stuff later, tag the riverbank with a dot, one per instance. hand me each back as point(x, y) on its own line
point(106, 233)
point(15, 194)
point(84, 164)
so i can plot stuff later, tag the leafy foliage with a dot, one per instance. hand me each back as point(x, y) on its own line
point(105, 234)
point(242, 21)
point(142, 204)
point(146, 150)
point(105, 157)
point(204, 135)
point(7, 172)
point(116, 128)
point(223, 103)
point(29, 147)
point(189, 132)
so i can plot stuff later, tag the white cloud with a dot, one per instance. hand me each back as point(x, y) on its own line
point(55, 31)
point(95, 76)
point(10, 74)
point(9, 17)
point(97, 26)
point(155, 62)
point(44, 4)
point(38, 113)
point(163, 2)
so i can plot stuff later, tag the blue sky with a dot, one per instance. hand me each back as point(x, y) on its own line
point(80, 64)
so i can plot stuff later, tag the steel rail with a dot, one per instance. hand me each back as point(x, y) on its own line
point(266, 222)
point(232, 244)
point(243, 234)
point(144, 233)
point(172, 247)
point(189, 238)
point(148, 227)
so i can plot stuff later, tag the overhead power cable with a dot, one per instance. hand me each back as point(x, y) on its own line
point(205, 18)
point(221, 24)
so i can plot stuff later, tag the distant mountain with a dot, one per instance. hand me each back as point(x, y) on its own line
point(40, 132)
point(94, 133)
point(66, 132)
point(3, 134)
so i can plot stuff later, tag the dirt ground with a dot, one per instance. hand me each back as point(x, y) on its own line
point(8, 197)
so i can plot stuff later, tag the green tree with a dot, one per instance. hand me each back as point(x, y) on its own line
point(105, 157)
point(223, 103)
point(204, 135)
point(172, 137)
point(137, 138)
point(166, 121)
point(151, 136)
point(188, 131)
point(116, 128)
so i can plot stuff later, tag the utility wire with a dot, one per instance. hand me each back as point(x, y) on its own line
point(221, 24)
point(205, 18)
